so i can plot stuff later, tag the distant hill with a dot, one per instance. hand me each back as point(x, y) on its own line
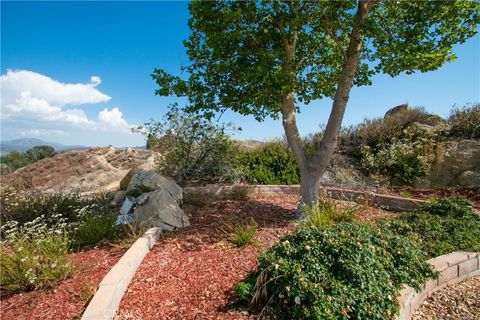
point(24, 144)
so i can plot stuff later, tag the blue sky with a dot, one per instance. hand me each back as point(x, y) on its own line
point(53, 49)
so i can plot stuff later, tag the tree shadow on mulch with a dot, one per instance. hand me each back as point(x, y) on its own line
point(207, 224)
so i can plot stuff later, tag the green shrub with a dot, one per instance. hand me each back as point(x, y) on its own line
point(403, 160)
point(465, 122)
point(348, 271)
point(241, 234)
point(96, 229)
point(40, 152)
point(192, 150)
point(34, 256)
point(274, 163)
point(440, 227)
point(23, 207)
point(456, 207)
point(15, 160)
point(327, 213)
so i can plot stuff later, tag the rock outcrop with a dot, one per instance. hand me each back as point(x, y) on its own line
point(454, 163)
point(157, 200)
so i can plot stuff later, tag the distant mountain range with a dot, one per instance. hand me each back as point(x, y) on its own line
point(24, 144)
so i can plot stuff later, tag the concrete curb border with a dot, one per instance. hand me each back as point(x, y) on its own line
point(454, 267)
point(383, 201)
point(106, 300)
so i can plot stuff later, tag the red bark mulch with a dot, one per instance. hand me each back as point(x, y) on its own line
point(190, 274)
point(64, 301)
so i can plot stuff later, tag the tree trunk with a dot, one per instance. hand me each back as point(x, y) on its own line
point(312, 168)
point(309, 191)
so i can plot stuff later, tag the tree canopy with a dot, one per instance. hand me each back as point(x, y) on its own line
point(268, 58)
point(239, 59)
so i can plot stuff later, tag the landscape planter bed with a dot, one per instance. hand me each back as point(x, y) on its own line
point(63, 301)
point(190, 274)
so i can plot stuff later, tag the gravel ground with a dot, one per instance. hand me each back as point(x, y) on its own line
point(455, 302)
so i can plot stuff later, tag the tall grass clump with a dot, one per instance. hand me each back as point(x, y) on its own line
point(241, 233)
point(327, 212)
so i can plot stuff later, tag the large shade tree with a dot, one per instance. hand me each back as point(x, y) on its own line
point(268, 58)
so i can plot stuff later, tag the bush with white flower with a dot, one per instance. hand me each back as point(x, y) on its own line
point(34, 255)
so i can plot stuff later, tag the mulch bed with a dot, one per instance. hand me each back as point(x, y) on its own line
point(190, 274)
point(457, 301)
point(63, 302)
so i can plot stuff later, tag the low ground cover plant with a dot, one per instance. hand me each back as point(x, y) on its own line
point(440, 226)
point(345, 271)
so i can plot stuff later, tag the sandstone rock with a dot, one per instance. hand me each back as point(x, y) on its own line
point(469, 178)
point(144, 181)
point(453, 163)
point(436, 128)
point(159, 209)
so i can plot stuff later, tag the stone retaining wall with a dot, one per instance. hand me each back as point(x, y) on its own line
point(104, 303)
point(383, 201)
point(453, 267)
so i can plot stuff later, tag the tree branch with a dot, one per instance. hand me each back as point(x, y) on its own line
point(329, 142)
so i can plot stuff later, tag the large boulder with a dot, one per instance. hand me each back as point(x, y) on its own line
point(128, 177)
point(453, 163)
point(144, 181)
point(159, 209)
point(396, 110)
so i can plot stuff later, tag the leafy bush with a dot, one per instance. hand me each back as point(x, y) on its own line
point(241, 234)
point(348, 271)
point(328, 213)
point(440, 227)
point(23, 206)
point(15, 160)
point(192, 150)
point(95, 229)
point(34, 255)
point(274, 163)
point(465, 122)
point(400, 160)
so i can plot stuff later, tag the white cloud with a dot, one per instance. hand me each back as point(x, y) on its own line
point(37, 105)
point(112, 120)
point(27, 107)
point(56, 93)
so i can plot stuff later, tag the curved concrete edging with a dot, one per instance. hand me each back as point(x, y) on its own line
point(104, 303)
point(383, 201)
point(453, 267)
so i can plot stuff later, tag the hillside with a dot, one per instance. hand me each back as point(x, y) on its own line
point(90, 170)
